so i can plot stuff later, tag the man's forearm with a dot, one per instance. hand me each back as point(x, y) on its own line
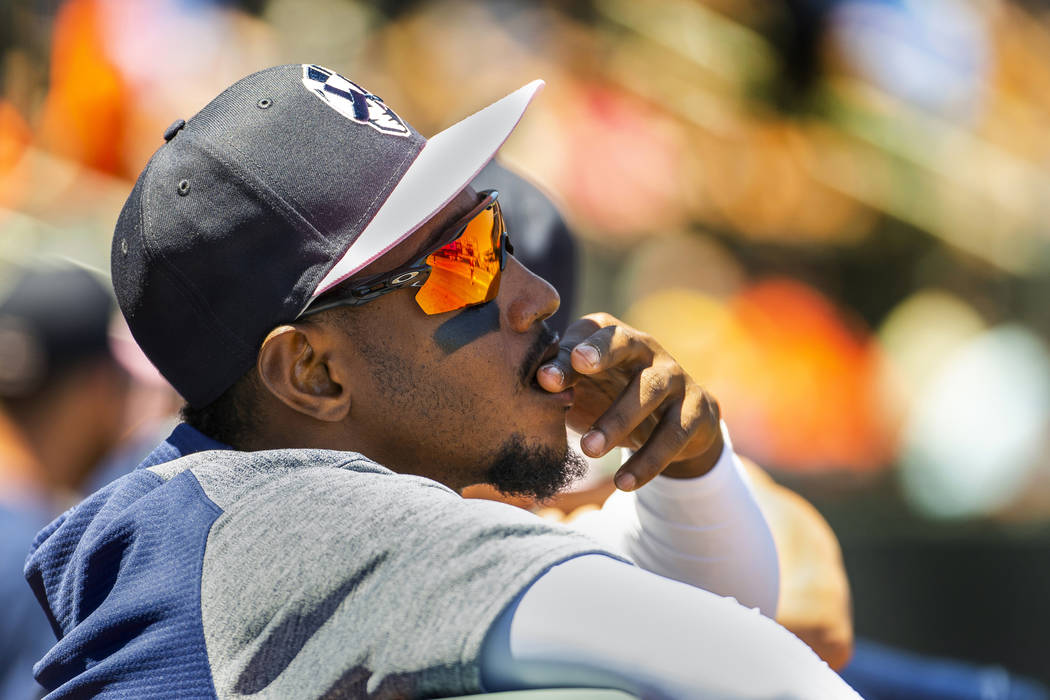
point(708, 532)
point(594, 621)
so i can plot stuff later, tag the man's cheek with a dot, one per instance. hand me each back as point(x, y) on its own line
point(466, 327)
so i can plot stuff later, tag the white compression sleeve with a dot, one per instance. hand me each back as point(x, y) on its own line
point(707, 532)
point(594, 621)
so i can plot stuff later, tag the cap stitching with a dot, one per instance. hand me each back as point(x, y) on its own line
point(186, 289)
point(276, 201)
point(397, 173)
point(366, 215)
point(289, 212)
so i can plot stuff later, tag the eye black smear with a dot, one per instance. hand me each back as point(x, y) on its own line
point(467, 326)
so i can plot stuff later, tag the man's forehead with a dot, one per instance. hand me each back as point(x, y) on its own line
point(425, 236)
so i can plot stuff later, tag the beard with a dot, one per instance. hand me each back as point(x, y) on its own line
point(535, 472)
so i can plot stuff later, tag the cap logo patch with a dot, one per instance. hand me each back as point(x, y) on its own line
point(352, 101)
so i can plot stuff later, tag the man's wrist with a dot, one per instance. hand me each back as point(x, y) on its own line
point(698, 465)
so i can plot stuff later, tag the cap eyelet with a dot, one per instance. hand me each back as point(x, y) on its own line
point(176, 127)
point(124, 246)
point(184, 187)
point(264, 103)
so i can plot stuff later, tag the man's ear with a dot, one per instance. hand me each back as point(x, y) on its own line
point(296, 367)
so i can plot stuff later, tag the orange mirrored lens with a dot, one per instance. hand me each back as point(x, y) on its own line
point(466, 271)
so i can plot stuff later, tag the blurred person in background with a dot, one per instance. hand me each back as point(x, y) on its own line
point(62, 407)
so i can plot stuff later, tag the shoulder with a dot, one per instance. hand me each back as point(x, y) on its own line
point(278, 479)
point(333, 553)
point(320, 495)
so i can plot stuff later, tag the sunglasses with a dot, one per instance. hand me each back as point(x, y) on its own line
point(463, 270)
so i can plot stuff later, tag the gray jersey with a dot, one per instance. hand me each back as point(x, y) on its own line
point(316, 573)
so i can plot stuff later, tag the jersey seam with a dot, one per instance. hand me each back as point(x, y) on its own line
point(201, 551)
point(486, 619)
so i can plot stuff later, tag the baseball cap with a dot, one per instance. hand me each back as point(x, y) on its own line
point(52, 319)
point(290, 181)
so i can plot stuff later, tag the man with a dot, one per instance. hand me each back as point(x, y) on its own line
point(356, 345)
point(62, 407)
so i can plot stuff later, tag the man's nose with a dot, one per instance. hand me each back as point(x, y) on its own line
point(529, 298)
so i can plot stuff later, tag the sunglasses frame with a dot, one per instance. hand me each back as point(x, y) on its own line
point(417, 272)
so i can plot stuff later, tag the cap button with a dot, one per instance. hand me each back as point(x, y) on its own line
point(175, 127)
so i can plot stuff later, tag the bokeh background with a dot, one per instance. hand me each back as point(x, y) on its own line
point(836, 213)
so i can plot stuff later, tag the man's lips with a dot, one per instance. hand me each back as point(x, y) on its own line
point(565, 398)
point(539, 351)
point(549, 354)
point(541, 355)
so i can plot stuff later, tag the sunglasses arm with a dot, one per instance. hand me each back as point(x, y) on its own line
point(412, 275)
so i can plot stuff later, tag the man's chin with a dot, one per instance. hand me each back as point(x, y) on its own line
point(534, 471)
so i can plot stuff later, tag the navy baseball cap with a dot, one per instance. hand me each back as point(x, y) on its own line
point(287, 183)
point(53, 318)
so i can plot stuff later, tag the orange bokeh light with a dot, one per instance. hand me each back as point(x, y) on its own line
point(15, 137)
point(810, 379)
point(85, 114)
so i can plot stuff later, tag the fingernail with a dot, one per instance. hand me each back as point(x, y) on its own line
point(589, 353)
point(553, 373)
point(625, 481)
point(593, 442)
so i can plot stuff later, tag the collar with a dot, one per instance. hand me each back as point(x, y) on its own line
point(184, 440)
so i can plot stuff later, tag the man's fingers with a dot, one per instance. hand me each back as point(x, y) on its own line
point(613, 346)
point(594, 344)
point(629, 391)
point(687, 425)
point(665, 442)
point(579, 329)
point(639, 401)
point(557, 373)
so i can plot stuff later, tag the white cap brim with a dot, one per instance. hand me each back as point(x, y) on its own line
point(448, 163)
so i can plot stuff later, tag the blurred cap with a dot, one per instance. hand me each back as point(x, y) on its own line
point(542, 240)
point(52, 319)
point(289, 182)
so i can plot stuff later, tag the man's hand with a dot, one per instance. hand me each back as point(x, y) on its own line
point(630, 392)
